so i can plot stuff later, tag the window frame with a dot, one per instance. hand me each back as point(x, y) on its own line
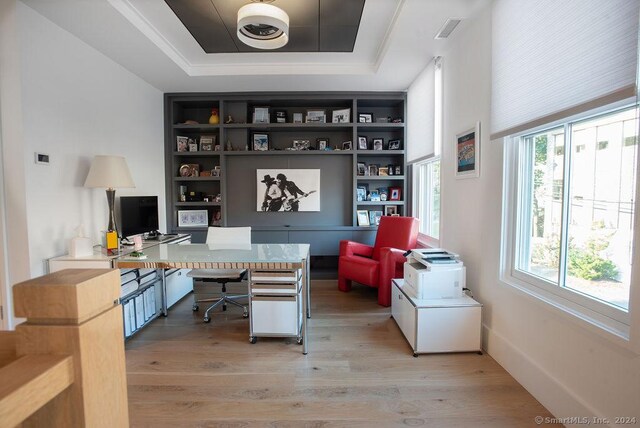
point(603, 315)
point(422, 194)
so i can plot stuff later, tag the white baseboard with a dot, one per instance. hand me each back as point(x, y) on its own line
point(561, 401)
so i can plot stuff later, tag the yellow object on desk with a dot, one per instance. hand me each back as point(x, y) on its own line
point(112, 240)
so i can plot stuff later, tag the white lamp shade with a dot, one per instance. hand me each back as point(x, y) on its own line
point(109, 172)
point(257, 14)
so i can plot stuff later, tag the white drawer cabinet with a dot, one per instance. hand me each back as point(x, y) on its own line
point(437, 325)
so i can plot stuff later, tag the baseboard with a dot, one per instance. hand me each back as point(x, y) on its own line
point(561, 401)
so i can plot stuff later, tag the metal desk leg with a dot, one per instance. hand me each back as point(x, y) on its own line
point(163, 291)
point(308, 285)
point(305, 302)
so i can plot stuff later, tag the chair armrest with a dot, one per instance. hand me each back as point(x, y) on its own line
point(390, 258)
point(351, 248)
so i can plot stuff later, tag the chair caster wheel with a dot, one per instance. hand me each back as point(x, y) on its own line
point(253, 340)
point(206, 320)
point(195, 308)
point(299, 341)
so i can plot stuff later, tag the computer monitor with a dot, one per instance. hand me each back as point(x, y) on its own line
point(138, 214)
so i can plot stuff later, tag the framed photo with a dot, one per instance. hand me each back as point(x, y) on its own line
point(346, 145)
point(189, 170)
point(215, 172)
point(365, 117)
point(383, 170)
point(361, 193)
point(468, 153)
point(281, 116)
point(374, 196)
point(398, 170)
point(362, 169)
point(394, 144)
point(316, 116)
point(322, 143)
point(182, 144)
point(341, 116)
point(300, 145)
point(297, 117)
point(362, 143)
point(193, 218)
point(391, 210)
point(374, 218)
point(373, 169)
point(395, 193)
point(261, 142)
point(207, 143)
point(261, 115)
point(193, 147)
point(363, 218)
point(378, 143)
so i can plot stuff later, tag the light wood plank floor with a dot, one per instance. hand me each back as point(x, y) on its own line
point(359, 372)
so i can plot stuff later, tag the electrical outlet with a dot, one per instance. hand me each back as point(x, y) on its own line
point(42, 158)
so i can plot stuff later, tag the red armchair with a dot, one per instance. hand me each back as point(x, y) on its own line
point(376, 266)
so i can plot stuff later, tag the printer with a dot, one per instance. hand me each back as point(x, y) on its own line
point(434, 273)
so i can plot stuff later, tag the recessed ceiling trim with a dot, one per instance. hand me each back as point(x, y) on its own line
point(276, 69)
point(384, 46)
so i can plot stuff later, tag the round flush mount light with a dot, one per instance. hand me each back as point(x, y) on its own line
point(263, 26)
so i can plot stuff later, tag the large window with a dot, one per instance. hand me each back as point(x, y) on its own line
point(427, 188)
point(574, 207)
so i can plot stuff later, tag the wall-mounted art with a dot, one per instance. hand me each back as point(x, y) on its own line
point(288, 190)
point(468, 153)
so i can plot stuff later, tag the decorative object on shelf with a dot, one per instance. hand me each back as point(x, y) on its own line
point(362, 143)
point(218, 198)
point(205, 173)
point(217, 218)
point(260, 142)
point(207, 142)
point(301, 145)
point(384, 193)
point(395, 193)
point(216, 172)
point(263, 26)
point(288, 190)
point(182, 143)
point(363, 217)
point(397, 120)
point(365, 117)
point(383, 170)
point(195, 197)
point(261, 115)
point(374, 217)
point(394, 144)
point(297, 117)
point(398, 170)
point(361, 194)
point(373, 170)
point(281, 116)
point(189, 170)
point(468, 151)
point(110, 172)
point(374, 196)
point(378, 143)
point(316, 116)
point(217, 148)
point(341, 116)
point(391, 210)
point(193, 147)
point(193, 218)
point(383, 119)
point(190, 122)
point(346, 145)
point(362, 169)
point(229, 147)
point(183, 193)
point(322, 143)
point(214, 119)
point(229, 119)
point(391, 169)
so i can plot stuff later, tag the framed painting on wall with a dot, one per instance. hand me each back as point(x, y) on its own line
point(468, 153)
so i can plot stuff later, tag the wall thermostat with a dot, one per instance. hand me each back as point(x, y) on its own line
point(42, 158)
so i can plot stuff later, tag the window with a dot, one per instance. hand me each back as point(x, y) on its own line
point(427, 187)
point(571, 232)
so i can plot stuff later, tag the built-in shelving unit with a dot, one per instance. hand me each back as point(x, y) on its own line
point(226, 185)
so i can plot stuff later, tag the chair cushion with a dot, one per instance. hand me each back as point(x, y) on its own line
point(360, 269)
point(216, 273)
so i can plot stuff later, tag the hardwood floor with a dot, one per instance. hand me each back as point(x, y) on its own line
point(359, 372)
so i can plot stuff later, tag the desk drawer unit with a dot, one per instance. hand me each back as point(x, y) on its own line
point(275, 299)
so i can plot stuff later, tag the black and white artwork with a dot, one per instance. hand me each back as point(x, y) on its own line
point(288, 190)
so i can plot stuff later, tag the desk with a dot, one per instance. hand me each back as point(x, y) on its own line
point(205, 256)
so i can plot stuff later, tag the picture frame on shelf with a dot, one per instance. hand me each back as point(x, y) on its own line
point(193, 147)
point(216, 172)
point(365, 117)
point(316, 116)
point(398, 170)
point(346, 145)
point(363, 143)
point(378, 143)
point(394, 144)
point(297, 117)
point(374, 196)
point(182, 143)
point(374, 217)
point(362, 169)
point(207, 143)
point(361, 194)
point(468, 153)
point(281, 116)
point(341, 116)
point(395, 193)
point(373, 170)
point(260, 142)
point(193, 218)
point(384, 193)
point(363, 217)
point(322, 143)
point(300, 145)
point(391, 210)
point(261, 115)
point(189, 170)
point(383, 170)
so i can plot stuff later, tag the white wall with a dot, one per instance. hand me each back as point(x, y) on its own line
point(76, 103)
point(569, 368)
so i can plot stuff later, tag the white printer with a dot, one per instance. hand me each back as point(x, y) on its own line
point(434, 273)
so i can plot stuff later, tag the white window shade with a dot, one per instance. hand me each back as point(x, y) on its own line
point(553, 58)
point(420, 115)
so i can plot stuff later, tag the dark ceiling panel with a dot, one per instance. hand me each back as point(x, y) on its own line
point(213, 24)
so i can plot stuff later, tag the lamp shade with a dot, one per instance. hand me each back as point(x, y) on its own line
point(110, 172)
point(263, 26)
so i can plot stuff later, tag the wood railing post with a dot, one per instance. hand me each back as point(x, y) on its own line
point(76, 312)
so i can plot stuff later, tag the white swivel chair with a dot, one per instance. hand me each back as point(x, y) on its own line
point(223, 238)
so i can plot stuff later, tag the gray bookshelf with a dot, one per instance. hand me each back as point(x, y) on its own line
point(236, 183)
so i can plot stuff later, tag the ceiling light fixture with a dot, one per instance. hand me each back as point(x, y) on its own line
point(263, 26)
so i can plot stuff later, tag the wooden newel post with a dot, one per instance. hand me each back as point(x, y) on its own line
point(76, 312)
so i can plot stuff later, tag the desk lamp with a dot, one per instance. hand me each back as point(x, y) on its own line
point(109, 172)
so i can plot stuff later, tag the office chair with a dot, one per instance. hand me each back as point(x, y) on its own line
point(223, 238)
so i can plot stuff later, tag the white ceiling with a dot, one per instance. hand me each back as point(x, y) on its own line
point(394, 43)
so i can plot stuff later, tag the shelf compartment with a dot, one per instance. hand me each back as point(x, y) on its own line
point(288, 152)
point(371, 203)
point(196, 178)
point(198, 204)
point(379, 177)
point(198, 153)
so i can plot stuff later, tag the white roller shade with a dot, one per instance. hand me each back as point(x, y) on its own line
point(420, 115)
point(554, 58)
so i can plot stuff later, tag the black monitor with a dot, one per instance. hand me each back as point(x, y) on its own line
point(138, 214)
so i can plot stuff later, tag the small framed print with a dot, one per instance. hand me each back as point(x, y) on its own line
point(398, 170)
point(391, 210)
point(362, 169)
point(297, 117)
point(193, 147)
point(189, 170)
point(362, 143)
point(261, 115)
point(193, 218)
point(363, 217)
point(322, 143)
point(365, 117)
point(383, 170)
point(215, 172)
point(394, 144)
point(341, 116)
point(378, 143)
point(374, 218)
point(373, 170)
point(468, 153)
point(346, 145)
point(374, 196)
point(207, 143)
point(281, 116)
point(361, 194)
point(182, 144)
point(316, 116)
point(260, 142)
point(300, 145)
point(395, 193)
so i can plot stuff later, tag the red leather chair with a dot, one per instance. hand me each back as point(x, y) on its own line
point(376, 266)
